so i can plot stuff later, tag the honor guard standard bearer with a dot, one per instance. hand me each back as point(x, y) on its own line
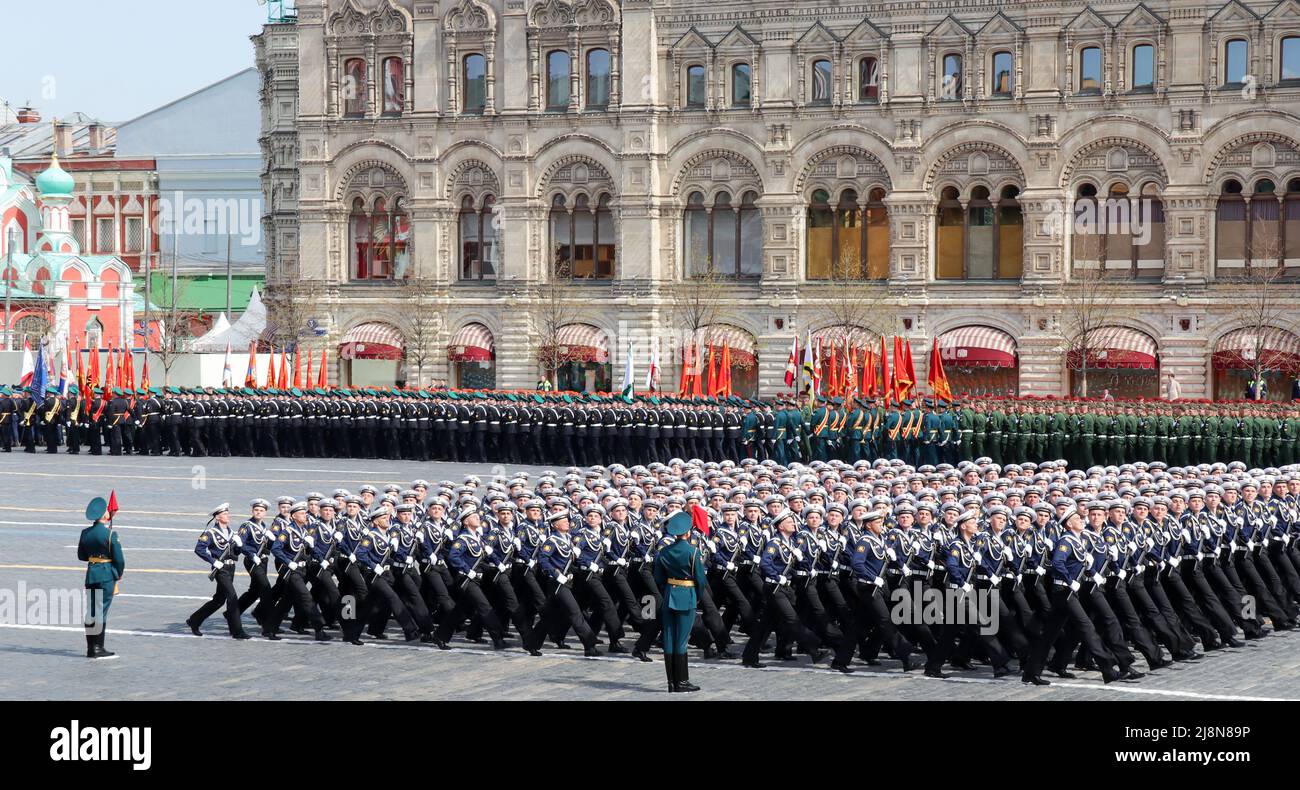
point(101, 550)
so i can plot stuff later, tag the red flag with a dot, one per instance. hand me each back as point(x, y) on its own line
point(886, 381)
point(902, 382)
point(792, 364)
point(112, 504)
point(725, 371)
point(297, 368)
point(697, 380)
point(683, 381)
point(910, 366)
point(712, 385)
point(322, 383)
point(700, 519)
point(833, 386)
point(144, 373)
point(850, 371)
point(283, 381)
point(309, 384)
point(250, 375)
point(936, 377)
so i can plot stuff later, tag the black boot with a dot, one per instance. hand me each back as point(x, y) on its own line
point(90, 649)
point(684, 674)
point(670, 669)
point(99, 651)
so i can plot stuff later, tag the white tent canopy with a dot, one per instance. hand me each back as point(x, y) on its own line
point(238, 335)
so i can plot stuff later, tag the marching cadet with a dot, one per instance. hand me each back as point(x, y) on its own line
point(375, 555)
point(679, 573)
point(326, 539)
point(556, 560)
point(218, 547)
point(99, 547)
point(291, 547)
point(590, 547)
point(255, 539)
point(778, 557)
point(467, 557)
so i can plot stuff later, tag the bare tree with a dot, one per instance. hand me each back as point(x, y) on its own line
point(1090, 300)
point(288, 311)
point(695, 304)
point(172, 326)
point(857, 305)
point(1263, 309)
point(553, 310)
point(422, 326)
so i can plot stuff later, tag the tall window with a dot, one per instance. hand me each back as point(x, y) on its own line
point(1119, 233)
point(740, 85)
point(79, 232)
point(134, 234)
point(950, 85)
point(478, 239)
point(723, 237)
point(821, 82)
point(1257, 230)
point(1235, 61)
point(379, 239)
point(1265, 225)
point(474, 81)
point(868, 79)
point(582, 238)
point(1290, 60)
point(394, 86)
point(1144, 70)
point(1003, 74)
point(597, 79)
point(982, 240)
point(1149, 246)
point(849, 241)
point(1291, 222)
point(354, 88)
point(696, 89)
point(1090, 70)
point(105, 232)
point(557, 81)
point(94, 333)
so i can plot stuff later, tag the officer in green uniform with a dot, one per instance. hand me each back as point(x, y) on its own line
point(1290, 438)
point(1209, 436)
point(1243, 440)
point(998, 426)
point(1146, 436)
point(1087, 439)
point(679, 574)
point(930, 426)
point(749, 426)
point(855, 430)
point(822, 416)
point(1022, 431)
point(973, 424)
point(100, 549)
point(950, 435)
point(1128, 424)
point(1039, 421)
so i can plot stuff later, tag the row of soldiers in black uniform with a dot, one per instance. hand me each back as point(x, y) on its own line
point(488, 426)
point(1057, 569)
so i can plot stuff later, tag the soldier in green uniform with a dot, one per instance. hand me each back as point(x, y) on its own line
point(1058, 433)
point(1146, 435)
point(100, 549)
point(998, 426)
point(855, 430)
point(950, 436)
point(679, 574)
point(930, 427)
point(1290, 437)
point(1039, 422)
point(801, 427)
point(1087, 438)
point(1022, 430)
point(822, 417)
point(1128, 424)
point(974, 427)
point(1242, 439)
point(1209, 436)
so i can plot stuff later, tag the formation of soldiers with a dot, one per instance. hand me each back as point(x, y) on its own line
point(578, 430)
point(1079, 568)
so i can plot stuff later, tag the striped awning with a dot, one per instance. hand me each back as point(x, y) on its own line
point(372, 341)
point(858, 337)
point(719, 336)
point(1245, 349)
point(582, 343)
point(977, 347)
point(472, 343)
point(1117, 347)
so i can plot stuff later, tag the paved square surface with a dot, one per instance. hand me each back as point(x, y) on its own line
point(164, 505)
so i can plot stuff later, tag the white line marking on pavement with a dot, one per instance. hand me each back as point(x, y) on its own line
point(169, 597)
point(829, 675)
point(82, 524)
point(130, 549)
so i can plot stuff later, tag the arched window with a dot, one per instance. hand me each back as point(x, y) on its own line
point(557, 81)
point(1230, 226)
point(1291, 223)
point(597, 79)
point(394, 86)
point(478, 239)
point(474, 84)
point(30, 329)
point(355, 86)
point(1264, 226)
point(725, 237)
point(696, 89)
point(950, 84)
point(821, 81)
point(868, 79)
point(1144, 68)
point(94, 333)
point(1090, 70)
point(854, 245)
point(380, 239)
point(1290, 59)
point(1118, 239)
point(740, 85)
point(1235, 61)
point(583, 238)
point(1003, 74)
point(982, 239)
point(1149, 232)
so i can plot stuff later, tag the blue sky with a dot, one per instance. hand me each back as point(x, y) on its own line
point(116, 59)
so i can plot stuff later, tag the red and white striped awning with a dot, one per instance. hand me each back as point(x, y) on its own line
point(834, 335)
point(977, 347)
point(1244, 349)
point(582, 343)
point(719, 336)
point(472, 343)
point(1117, 347)
point(372, 341)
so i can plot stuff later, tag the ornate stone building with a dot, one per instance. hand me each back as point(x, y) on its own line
point(520, 159)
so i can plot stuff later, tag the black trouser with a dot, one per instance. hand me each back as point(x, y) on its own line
point(384, 602)
point(592, 595)
point(1116, 591)
point(561, 613)
point(1153, 618)
point(779, 613)
point(528, 591)
point(325, 592)
point(470, 601)
point(870, 611)
point(1068, 611)
point(1196, 584)
point(501, 594)
point(224, 596)
point(1107, 623)
point(1151, 582)
point(726, 588)
point(352, 583)
point(436, 583)
point(1229, 591)
point(1185, 604)
point(620, 590)
point(259, 592)
point(407, 586)
point(51, 431)
point(296, 595)
point(1265, 603)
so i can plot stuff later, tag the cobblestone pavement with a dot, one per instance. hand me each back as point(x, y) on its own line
point(164, 504)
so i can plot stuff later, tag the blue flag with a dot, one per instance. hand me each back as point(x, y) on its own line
point(39, 375)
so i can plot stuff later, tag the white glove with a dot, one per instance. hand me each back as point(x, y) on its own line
point(798, 555)
point(560, 578)
point(731, 566)
point(1205, 531)
point(782, 581)
point(447, 531)
point(380, 570)
point(978, 558)
point(821, 544)
point(410, 561)
point(519, 545)
point(1217, 551)
point(757, 559)
point(216, 565)
point(1074, 586)
point(309, 540)
point(471, 574)
point(879, 582)
point(889, 552)
point(501, 568)
point(744, 540)
point(352, 558)
point(1286, 540)
point(419, 536)
point(1151, 544)
point(1114, 552)
point(930, 564)
point(1123, 574)
point(906, 571)
point(967, 587)
point(609, 545)
point(1174, 561)
point(1098, 579)
point(1186, 534)
point(293, 566)
point(487, 550)
point(713, 546)
point(1040, 571)
point(1132, 546)
point(257, 560)
point(593, 567)
point(238, 540)
point(326, 563)
point(1087, 560)
point(338, 535)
